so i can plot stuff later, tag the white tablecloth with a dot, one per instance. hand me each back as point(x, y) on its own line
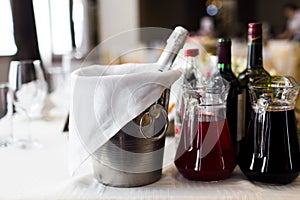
point(43, 174)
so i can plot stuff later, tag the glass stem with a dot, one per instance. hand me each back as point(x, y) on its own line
point(28, 119)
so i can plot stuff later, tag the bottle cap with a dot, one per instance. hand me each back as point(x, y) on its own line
point(254, 29)
point(255, 32)
point(224, 51)
point(181, 31)
point(177, 38)
point(191, 52)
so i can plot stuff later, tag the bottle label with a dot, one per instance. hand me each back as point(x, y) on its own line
point(241, 115)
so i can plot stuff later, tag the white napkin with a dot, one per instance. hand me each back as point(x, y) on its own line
point(105, 98)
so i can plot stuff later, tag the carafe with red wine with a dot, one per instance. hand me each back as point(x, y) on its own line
point(205, 151)
point(270, 151)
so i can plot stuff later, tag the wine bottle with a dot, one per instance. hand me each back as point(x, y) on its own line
point(175, 42)
point(224, 66)
point(189, 77)
point(252, 73)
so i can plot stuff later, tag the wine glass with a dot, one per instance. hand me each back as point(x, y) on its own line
point(5, 116)
point(29, 88)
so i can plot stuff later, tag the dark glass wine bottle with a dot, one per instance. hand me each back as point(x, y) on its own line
point(252, 73)
point(224, 65)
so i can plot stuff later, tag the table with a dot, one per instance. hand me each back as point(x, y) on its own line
point(43, 174)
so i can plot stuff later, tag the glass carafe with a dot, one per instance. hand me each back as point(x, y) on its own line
point(205, 151)
point(270, 149)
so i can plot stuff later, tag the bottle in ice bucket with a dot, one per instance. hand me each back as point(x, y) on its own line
point(270, 151)
point(205, 151)
point(253, 72)
point(190, 75)
point(134, 155)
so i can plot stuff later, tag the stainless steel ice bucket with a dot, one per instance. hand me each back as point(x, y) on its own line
point(134, 156)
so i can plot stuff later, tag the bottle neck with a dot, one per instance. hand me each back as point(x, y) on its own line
point(191, 62)
point(255, 54)
point(224, 67)
point(174, 43)
point(190, 69)
point(224, 56)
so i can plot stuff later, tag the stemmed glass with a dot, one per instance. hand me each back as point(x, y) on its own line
point(29, 88)
point(6, 136)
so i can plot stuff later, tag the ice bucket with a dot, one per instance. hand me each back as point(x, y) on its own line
point(134, 156)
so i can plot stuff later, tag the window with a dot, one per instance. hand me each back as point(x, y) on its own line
point(53, 24)
point(60, 26)
point(52, 19)
point(7, 41)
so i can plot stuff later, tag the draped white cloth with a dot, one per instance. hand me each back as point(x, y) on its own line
point(105, 98)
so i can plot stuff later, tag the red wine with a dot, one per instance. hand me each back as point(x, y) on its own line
point(191, 160)
point(271, 156)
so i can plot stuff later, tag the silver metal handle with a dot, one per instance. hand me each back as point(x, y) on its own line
point(152, 121)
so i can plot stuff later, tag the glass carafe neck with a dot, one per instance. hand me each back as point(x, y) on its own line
point(274, 93)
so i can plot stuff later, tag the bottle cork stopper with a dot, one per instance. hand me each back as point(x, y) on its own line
point(191, 52)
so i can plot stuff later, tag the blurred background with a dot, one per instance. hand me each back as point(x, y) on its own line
point(62, 32)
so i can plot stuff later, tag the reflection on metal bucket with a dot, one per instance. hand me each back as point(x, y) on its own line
point(134, 156)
